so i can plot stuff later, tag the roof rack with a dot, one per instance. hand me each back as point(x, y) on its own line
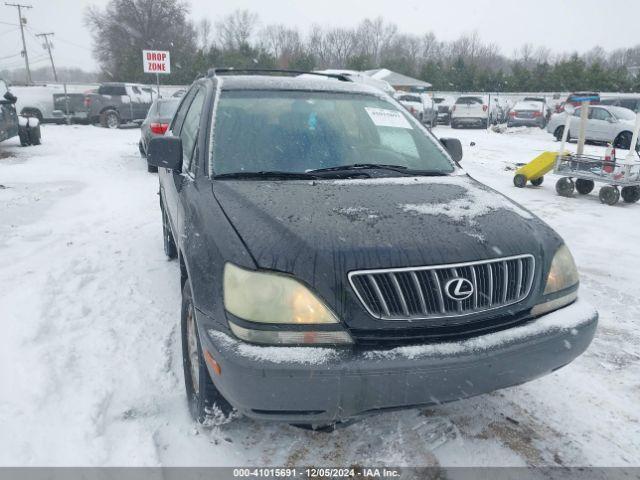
point(214, 72)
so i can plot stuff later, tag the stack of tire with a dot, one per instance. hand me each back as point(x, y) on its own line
point(29, 131)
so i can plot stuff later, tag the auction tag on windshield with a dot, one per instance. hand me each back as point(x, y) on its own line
point(388, 118)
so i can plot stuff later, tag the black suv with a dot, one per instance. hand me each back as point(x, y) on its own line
point(336, 261)
point(12, 124)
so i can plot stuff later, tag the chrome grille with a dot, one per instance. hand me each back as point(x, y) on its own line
point(418, 292)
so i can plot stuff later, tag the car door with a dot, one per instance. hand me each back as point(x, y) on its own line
point(189, 191)
point(600, 125)
point(170, 181)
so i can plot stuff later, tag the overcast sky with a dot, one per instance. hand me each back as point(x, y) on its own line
point(561, 25)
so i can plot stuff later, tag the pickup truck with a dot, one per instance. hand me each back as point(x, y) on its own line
point(116, 103)
point(11, 124)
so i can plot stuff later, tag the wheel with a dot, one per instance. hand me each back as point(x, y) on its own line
point(454, 125)
point(206, 403)
point(35, 135)
point(169, 243)
point(630, 194)
point(110, 119)
point(609, 195)
point(152, 168)
point(623, 141)
point(558, 133)
point(584, 187)
point(520, 180)
point(484, 124)
point(141, 149)
point(537, 181)
point(565, 187)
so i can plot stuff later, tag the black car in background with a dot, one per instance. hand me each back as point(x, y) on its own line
point(156, 123)
point(336, 261)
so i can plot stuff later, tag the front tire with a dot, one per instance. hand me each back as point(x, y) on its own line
point(206, 403)
point(623, 141)
point(520, 180)
point(558, 133)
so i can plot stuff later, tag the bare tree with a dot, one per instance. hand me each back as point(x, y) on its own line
point(282, 42)
point(203, 30)
point(236, 29)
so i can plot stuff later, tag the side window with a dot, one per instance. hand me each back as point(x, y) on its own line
point(600, 114)
point(182, 112)
point(189, 131)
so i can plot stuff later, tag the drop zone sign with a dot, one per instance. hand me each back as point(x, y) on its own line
point(156, 61)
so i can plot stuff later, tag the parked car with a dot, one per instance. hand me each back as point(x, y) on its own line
point(528, 114)
point(355, 233)
point(444, 103)
point(116, 103)
point(605, 124)
point(156, 123)
point(14, 125)
point(71, 105)
point(631, 102)
point(575, 99)
point(38, 101)
point(420, 106)
point(472, 110)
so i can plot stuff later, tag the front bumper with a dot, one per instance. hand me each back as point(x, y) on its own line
point(326, 385)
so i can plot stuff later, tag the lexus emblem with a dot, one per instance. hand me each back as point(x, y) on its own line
point(458, 289)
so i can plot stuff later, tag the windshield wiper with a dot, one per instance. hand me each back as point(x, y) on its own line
point(267, 175)
point(380, 166)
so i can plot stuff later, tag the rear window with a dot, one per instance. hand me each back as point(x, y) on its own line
point(468, 101)
point(112, 90)
point(301, 131)
point(167, 108)
point(409, 98)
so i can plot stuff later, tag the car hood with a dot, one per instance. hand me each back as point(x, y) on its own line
point(321, 230)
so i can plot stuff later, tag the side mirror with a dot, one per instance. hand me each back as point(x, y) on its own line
point(611, 120)
point(10, 98)
point(165, 152)
point(453, 147)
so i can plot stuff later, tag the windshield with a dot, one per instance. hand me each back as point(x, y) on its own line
point(624, 114)
point(262, 131)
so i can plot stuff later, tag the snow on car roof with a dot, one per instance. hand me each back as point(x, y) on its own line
point(269, 82)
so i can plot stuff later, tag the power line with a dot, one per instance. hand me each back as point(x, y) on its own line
point(22, 21)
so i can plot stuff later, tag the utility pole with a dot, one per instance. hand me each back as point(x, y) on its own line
point(24, 45)
point(47, 45)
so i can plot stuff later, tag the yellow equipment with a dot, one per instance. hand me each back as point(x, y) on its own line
point(534, 170)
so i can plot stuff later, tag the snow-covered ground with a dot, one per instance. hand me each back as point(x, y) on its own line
point(90, 369)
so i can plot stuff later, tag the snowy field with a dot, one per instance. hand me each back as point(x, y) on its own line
point(90, 367)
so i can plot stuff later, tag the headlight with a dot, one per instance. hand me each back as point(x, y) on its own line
point(271, 298)
point(563, 273)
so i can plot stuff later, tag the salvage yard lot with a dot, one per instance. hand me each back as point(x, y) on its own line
point(90, 363)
